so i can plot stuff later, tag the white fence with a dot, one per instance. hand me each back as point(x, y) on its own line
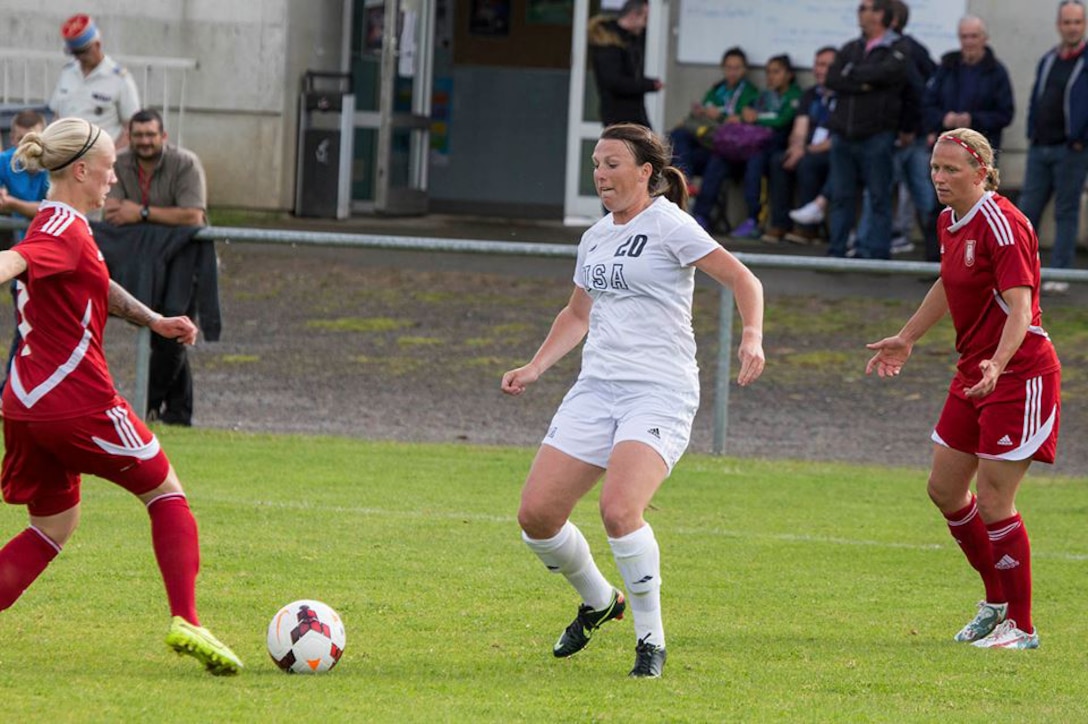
point(27, 79)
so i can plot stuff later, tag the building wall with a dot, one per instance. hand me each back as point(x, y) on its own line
point(508, 127)
point(241, 101)
point(507, 134)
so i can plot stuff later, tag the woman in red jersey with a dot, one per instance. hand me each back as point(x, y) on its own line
point(1002, 409)
point(62, 413)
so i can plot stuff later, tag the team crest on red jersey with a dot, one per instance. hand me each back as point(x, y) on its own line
point(969, 253)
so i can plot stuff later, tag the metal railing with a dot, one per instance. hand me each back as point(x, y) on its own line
point(28, 77)
point(477, 246)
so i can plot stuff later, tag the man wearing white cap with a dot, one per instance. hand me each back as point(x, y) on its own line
point(93, 86)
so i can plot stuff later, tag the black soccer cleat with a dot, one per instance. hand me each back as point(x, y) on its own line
point(649, 660)
point(581, 629)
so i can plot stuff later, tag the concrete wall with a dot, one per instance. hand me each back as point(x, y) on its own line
point(241, 115)
point(241, 101)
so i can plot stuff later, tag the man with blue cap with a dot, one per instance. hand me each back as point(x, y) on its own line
point(93, 86)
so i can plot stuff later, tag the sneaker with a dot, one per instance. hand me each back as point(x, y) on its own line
point(985, 621)
point(1055, 287)
point(1008, 636)
point(901, 245)
point(581, 629)
point(802, 236)
point(773, 235)
point(649, 660)
point(748, 229)
point(810, 213)
point(198, 642)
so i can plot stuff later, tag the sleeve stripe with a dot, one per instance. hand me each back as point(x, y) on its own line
point(999, 224)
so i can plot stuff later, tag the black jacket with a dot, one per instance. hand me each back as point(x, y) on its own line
point(873, 91)
point(923, 68)
point(990, 105)
point(617, 57)
point(166, 269)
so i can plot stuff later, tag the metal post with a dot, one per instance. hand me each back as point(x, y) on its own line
point(721, 378)
point(143, 372)
point(390, 50)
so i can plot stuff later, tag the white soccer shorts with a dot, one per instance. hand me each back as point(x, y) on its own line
point(595, 415)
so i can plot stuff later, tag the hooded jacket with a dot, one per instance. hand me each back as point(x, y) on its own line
point(617, 58)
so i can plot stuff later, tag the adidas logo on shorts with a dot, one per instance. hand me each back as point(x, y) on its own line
point(655, 432)
point(1004, 441)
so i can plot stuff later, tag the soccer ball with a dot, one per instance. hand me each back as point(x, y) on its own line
point(306, 637)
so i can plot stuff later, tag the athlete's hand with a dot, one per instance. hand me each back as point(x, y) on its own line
point(891, 354)
point(514, 382)
point(751, 358)
point(990, 372)
point(179, 329)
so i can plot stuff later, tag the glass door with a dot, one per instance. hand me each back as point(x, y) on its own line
point(580, 202)
point(390, 55)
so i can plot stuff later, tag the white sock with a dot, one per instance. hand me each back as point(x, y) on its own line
point(639, 559)
point(568, 553)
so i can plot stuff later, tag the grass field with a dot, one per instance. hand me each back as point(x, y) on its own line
point(793, 592)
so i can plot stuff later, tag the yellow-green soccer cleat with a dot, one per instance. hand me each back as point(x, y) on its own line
point(198, 642)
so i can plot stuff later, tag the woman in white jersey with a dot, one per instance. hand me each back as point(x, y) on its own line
point(1002, 408)
point(628, 417)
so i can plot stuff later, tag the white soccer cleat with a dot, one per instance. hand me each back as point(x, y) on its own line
point(985, 621)
point(1008, 636)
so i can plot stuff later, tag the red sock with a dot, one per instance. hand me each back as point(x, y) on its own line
point(967, 528)
point(1012, 551)
point(21, 561)
point(177, 549)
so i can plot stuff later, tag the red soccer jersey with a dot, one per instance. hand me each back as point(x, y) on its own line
point(991, 249)
point(59, 370)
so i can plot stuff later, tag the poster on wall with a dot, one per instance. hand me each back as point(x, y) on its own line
point(549, 12)
point(489, 17)
point(441, 107)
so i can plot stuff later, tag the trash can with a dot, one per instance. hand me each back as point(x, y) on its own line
point(325, 135)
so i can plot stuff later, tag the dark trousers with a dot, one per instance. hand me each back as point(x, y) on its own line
point(813, 177)
point(170, 382)
point(857, 164)
point(1056, 171)
point(688, 154)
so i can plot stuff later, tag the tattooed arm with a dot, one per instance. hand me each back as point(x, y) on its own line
point(127, 307)
point(130, 309)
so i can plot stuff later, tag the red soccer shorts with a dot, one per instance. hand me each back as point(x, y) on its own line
point(43, 460)
point(1017, 421)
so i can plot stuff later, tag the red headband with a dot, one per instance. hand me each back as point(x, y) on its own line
point(963, 144)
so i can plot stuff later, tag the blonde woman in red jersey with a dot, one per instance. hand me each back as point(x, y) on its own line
point(1003, 406)
point(62, 414)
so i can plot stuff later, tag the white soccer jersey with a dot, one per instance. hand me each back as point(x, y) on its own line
point(641, 279)
point(107, 97)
